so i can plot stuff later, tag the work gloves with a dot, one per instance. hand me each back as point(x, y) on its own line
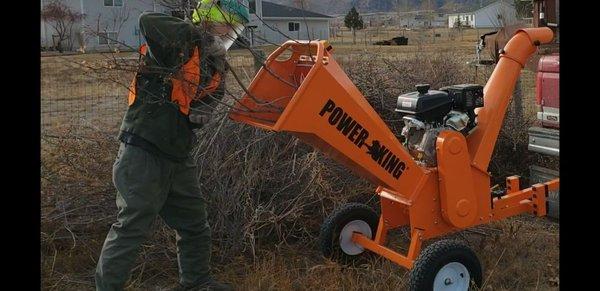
point(198, 119)
point(200, 113)
point(201, 110)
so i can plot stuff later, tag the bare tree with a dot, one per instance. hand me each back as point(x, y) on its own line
point(81, 38)
point(110, 27)
point(61, 18)
point(118, 18)
point(458, 25)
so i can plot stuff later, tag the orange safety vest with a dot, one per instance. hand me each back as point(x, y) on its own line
point(185, 83)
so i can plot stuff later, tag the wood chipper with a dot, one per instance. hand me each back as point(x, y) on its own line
point(431, 177)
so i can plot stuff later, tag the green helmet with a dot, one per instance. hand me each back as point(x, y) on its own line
point(222, 11)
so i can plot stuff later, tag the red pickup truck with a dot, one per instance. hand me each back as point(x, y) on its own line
point(544, 138)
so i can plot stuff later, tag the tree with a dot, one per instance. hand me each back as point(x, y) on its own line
point(108, 28)
point(457, 23)
point(118, 18)
point(353, 21)
point(458, 26)
point(61, 18)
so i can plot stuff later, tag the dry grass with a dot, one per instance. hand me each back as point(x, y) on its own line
point(267, 195)
point(516, 255)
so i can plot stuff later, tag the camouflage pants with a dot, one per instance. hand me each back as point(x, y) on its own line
point(149, 186)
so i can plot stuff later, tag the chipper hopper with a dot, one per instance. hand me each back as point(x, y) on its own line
point(431, 177)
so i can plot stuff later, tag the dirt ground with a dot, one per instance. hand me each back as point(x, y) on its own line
point(521, 253)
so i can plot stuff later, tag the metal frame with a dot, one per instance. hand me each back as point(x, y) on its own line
point(323, 108)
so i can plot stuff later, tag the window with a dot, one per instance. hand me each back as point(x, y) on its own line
point(252, 7)
point(107, 38)
point(113, 2)
point(294, 26)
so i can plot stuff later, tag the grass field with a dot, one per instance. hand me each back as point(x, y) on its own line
point(78, 197)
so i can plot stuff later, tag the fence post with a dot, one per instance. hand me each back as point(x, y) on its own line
point(259, 58)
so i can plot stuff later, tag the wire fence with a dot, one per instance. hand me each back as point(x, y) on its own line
point(86, 102)
point(70, 96)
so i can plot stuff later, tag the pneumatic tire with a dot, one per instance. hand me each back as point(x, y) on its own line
point(337, 230)
point(445, 265)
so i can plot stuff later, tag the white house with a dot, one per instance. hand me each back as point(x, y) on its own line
point(408, 19)
point(496, 14)
point(116, 19)
point(272, 23)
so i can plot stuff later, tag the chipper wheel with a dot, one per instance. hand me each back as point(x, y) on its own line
point(445, 265)
point(336, 231)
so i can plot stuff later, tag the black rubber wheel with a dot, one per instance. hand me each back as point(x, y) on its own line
point(448, 258)
point(351, 213)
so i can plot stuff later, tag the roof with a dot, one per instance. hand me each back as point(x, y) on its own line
point(486, 6)
point(464, 11)
point(280, 11)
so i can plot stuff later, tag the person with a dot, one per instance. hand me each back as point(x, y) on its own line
point(178, 82)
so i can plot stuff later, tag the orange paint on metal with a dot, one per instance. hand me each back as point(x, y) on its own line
point(416, 239)
point(382, 251)
point(458, 199)
point(512, 184)
point(498, 91)
point(382, 229)
point(310, 96)
point(538, 198)
point(327, 111)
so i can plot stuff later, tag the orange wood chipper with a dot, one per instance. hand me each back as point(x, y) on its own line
point(435, 180)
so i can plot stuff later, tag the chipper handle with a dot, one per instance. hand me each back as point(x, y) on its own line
point(300, 47)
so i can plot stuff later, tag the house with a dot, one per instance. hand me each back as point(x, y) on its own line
point(408, 19)
point(272, 23)
point(495, 14)
point(107, 24)
point(464, 19)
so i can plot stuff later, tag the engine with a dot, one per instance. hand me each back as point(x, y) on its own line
point(428, 112)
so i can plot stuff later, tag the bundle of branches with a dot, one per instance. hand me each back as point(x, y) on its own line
point(77, 202)
point(382, 80)
point(265, 188)
point(511, 155)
